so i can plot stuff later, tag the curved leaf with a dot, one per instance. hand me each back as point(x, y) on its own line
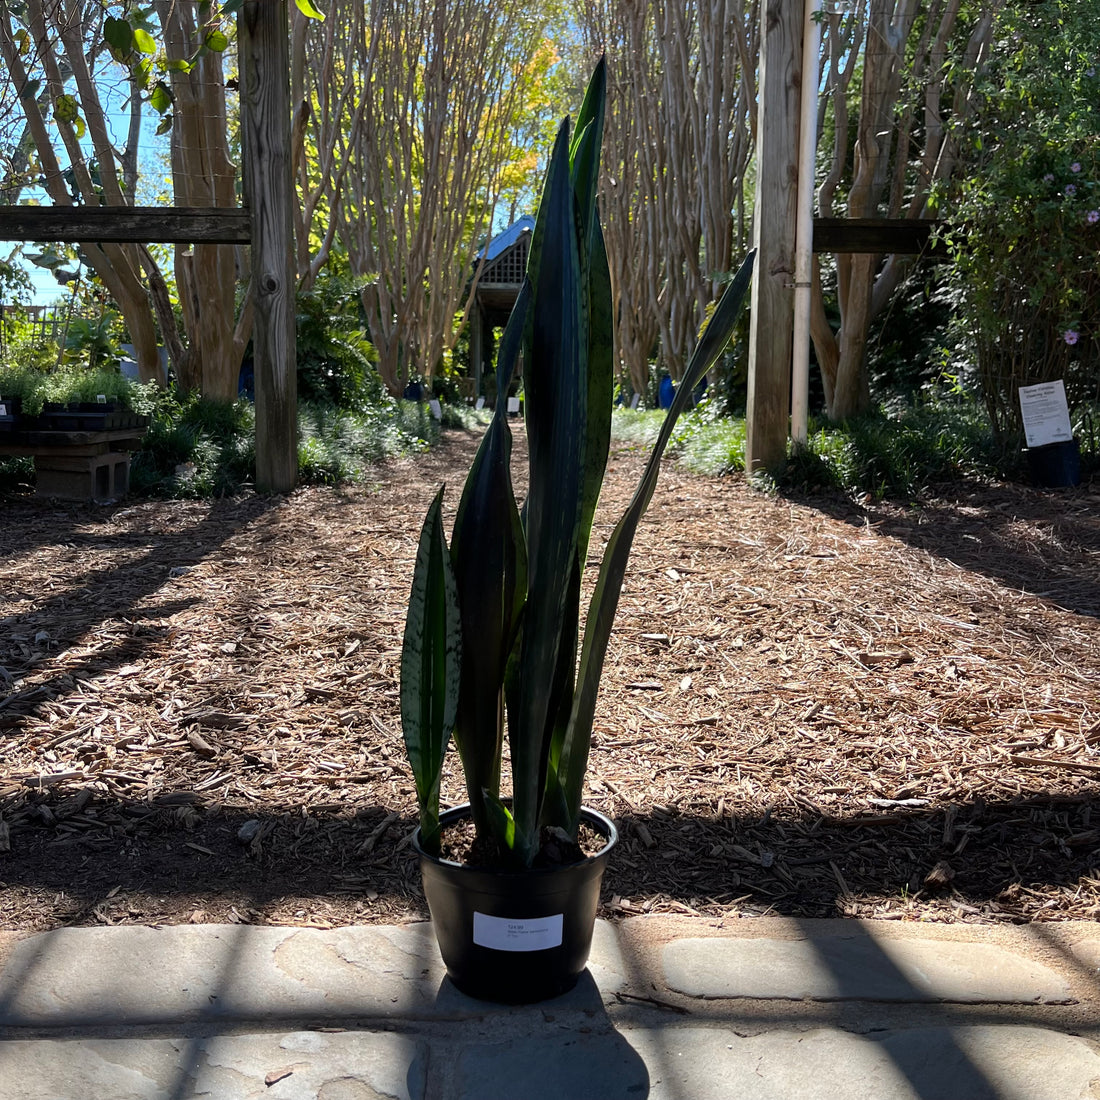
point(430, 668)
point(487, 550)
point(605, 598)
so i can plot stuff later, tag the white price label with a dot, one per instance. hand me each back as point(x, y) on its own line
point(504, 934)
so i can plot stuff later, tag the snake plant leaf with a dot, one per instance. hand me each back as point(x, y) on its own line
point(605, 598)
point(487, 550)
point(555, 388)
point(598, 318)
point(601, 381)
point(430, 668)
point(592, 107)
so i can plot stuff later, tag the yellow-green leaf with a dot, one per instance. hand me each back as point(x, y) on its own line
point(309, 11)
point(161, 98)
point(65, 108)
point(143, 41)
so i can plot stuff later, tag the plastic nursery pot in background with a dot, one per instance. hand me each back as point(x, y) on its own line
point(1056, 465)
point(515, 937)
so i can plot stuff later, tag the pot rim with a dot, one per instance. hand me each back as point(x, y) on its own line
point(602, 823)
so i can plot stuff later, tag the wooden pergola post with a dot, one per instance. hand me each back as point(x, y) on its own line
point(770, 333)
point(263, 37)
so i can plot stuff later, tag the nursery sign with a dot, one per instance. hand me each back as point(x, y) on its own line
point(505, 934)
point(1045, 413)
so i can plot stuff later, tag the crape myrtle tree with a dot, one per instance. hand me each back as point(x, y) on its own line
point(72, 64)
point(911, 65)
point(407, 111)
point(680, 129)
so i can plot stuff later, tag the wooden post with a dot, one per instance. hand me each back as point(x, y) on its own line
point(263, 42)
point(770, 333)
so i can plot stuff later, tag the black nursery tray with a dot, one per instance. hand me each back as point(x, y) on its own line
point(86, 417)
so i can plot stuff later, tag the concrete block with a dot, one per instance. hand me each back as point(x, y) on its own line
point(83, 477)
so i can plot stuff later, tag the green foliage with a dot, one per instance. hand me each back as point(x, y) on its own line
point(337, 446)
point(35, 383)
point(335, 357)
point(517, 575)
point(1028, 215)
point(201, 448)
point(93, 341)
point(194, 448)
point(902, 452)
point(897, 450)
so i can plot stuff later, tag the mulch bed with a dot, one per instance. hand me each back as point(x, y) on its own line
point(812, 707)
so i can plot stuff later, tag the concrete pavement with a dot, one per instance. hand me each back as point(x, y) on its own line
point(670, 1009)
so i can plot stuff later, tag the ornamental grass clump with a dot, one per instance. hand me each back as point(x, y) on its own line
point(493, 627)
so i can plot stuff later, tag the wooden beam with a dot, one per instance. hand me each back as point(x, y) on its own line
point(772, 316)
point(885, 236)
point(136, 224)
point(263, 38)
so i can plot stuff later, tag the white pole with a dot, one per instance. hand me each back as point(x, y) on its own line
point(804, 226)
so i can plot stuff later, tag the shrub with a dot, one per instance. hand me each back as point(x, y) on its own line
point(1028, 215)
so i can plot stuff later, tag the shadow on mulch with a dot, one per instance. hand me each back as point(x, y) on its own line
point(109, 860)
point(980, 529)
point(85, 599)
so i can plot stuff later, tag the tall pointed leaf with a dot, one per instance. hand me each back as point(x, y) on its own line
point(605, 598)
point(555, 390)
point(489, 555)
point(430, 668)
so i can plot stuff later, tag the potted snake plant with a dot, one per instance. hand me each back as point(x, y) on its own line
point(490, 654)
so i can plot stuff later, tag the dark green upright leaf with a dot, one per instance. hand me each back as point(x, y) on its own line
point(555, 391)
point(605, 599)
point(488, 552)
point(430, 668)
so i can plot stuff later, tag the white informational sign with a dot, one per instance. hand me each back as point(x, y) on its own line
point(513, 405)
point(437, 408)
point(3, 409)
point(480, 403)
point(1045, 413)
point(502, 934)
point(635, 401)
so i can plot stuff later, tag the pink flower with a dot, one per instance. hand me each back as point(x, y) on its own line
point(1071, 189)
point(1092, 217)
point(1075, 167)
point(1070, 337)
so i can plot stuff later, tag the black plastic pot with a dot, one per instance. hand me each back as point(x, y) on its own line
point(10, 409)
point(515, 937)
point(1056, 465)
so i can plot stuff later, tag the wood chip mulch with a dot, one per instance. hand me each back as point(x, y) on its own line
point(812, 707)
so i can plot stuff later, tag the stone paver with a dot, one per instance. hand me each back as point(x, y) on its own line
point(967, 1063)
point(1087, 952)
point(190, 973)
point(350, 1066)
point(993, 1062)
point(859, 967)
point(750, 1011)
